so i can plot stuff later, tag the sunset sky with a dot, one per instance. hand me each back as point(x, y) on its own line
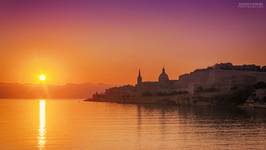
point(100, 41)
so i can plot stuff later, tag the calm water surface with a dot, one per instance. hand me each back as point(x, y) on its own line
point(74, 124)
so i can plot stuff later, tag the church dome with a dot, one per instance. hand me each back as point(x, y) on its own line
point(163, 77)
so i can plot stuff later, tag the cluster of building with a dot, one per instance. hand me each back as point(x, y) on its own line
point(230, 66)
point(217, 78)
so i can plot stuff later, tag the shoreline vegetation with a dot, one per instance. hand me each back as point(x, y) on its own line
point(219, 85)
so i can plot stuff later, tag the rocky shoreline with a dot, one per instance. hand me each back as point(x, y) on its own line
point(202, 99)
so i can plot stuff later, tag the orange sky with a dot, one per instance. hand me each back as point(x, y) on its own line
point(109, 43)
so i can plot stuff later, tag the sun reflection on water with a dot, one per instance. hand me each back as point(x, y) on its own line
point(42, 123)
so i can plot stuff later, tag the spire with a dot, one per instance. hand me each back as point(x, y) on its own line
point(139, 79)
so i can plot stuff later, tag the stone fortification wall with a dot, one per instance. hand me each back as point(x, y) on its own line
point(221, 78)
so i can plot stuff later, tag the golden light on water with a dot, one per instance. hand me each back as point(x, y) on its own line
point(42, 124)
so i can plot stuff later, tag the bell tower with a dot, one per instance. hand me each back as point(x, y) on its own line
point(139, 79)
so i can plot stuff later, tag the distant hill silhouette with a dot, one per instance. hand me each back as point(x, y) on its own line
point(18, 90)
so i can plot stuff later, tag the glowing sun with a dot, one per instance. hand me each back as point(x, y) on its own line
point(42, 77)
